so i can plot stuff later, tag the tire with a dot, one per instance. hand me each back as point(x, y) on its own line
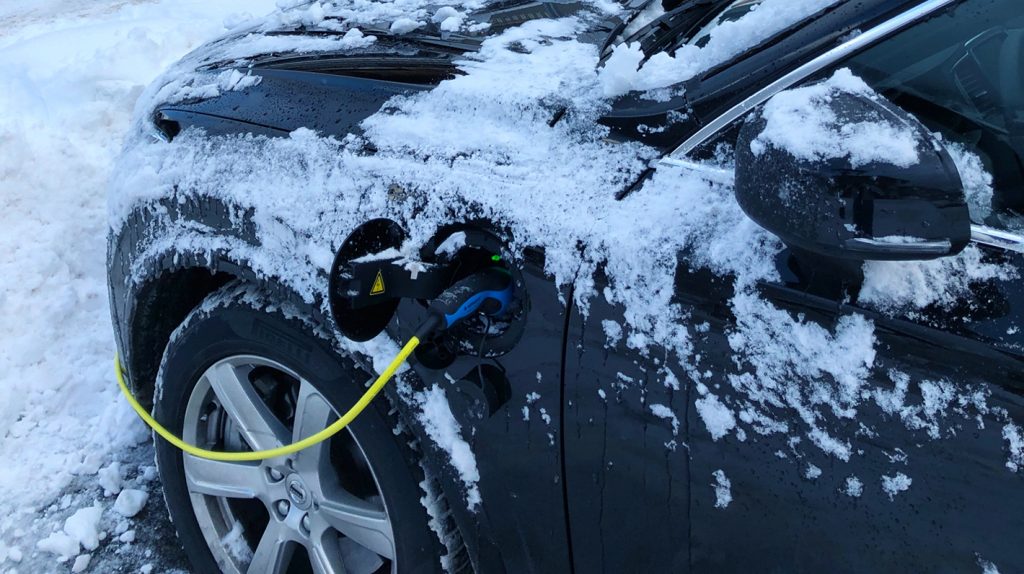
point(352, 505)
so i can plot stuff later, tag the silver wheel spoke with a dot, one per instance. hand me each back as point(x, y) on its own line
point(274, 553)
point(361, 521)
point(260, 428)
point(312, 415)
point(325, 557)
point(227, 479)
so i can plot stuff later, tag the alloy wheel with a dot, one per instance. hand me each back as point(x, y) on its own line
point(319, 510)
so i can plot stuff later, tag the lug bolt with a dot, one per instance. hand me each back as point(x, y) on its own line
point(275, 475)
point(305, 524)
point(283, 507)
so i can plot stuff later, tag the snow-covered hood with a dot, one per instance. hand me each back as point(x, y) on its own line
point(312, 29)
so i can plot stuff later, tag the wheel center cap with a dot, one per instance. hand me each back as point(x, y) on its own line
point(298, 492)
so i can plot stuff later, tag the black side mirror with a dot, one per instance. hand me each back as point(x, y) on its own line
point(841, 207)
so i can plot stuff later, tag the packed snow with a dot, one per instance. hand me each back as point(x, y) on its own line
point(70, 73)
point(987, 567)
point(718, 418)
point(1014, 437)
point(812, 472)
point(665, 413)
point(893, 485)
point(723, 489)
point(130, 501)
point(440, 424)
point(853, 487)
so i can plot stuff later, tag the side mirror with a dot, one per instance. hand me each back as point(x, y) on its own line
point(832, 172)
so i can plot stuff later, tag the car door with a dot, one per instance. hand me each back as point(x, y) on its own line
point(919, 469)
point(631, 405)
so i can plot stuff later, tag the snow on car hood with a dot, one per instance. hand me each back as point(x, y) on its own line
point(481, 146)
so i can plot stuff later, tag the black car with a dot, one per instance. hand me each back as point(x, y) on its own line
point(812, 362)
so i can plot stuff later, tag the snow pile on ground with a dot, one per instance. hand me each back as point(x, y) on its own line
point(70, 73)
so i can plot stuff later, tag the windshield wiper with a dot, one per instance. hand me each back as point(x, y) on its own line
point(665, 32)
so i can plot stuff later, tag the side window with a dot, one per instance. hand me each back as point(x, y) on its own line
point(961, 73)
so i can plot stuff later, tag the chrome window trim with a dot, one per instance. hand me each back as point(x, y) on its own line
point(803, 72)
point(995, 238)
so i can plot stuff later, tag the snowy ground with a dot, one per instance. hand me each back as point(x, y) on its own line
point(70, 72)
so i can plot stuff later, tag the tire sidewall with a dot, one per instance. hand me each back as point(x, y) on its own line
point(234, 327)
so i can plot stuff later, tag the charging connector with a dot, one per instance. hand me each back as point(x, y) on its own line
point(488, 291)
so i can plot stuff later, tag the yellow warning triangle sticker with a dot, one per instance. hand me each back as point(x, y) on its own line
point(378, 285)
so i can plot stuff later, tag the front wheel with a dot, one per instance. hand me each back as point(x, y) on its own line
point(237, 378)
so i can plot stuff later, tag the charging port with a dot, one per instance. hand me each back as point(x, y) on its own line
point(463, 266)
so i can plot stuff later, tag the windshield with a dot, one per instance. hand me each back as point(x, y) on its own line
point(669, 54)
point(734, 12)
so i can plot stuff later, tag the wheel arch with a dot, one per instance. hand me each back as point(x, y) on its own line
point(164, 259)
point(169, 256)
point(160, 306)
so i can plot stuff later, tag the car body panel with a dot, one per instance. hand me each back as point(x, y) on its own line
point(628, 469)
point(625, 476)
point(961, 504)
point(509, 412)
point(288, 100)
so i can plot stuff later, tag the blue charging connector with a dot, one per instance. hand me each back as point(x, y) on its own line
point(489, 291)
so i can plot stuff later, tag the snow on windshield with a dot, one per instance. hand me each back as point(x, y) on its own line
point(623, 71)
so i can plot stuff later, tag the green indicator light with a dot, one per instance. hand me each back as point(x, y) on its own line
point(495, 257)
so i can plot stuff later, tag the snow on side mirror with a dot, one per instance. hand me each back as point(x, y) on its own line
point(837, 170)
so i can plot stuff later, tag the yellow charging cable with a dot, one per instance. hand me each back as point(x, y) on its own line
point(305, 443)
